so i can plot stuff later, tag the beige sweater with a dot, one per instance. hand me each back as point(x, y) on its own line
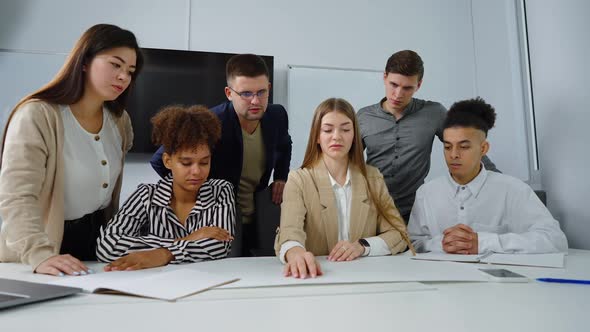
point(32, 183)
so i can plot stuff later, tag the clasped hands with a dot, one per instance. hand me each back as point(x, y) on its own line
point(302, 263)
point(460, 239)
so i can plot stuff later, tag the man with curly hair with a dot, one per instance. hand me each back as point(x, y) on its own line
point(472, 210)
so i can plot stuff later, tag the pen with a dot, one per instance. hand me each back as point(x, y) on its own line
point(565, 281)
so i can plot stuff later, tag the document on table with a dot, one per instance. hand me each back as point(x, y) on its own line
point(159, 283)
point(555, 260)
point(268, 271)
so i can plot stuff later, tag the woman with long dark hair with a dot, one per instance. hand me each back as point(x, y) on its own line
point(63, 152)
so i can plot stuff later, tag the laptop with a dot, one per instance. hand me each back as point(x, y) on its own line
point(16, 292)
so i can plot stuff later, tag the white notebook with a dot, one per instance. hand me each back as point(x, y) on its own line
point(555, 260)
point(162, 284)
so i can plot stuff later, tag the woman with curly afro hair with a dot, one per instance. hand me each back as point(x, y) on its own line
point(185, 217)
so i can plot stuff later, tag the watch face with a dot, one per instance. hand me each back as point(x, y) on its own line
point(364, 243)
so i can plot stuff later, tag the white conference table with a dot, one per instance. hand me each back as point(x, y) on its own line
point(434, 306)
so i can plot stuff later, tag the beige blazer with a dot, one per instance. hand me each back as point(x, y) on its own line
point(32, 183)
point(309, 213)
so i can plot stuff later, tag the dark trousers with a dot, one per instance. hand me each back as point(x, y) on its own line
point(249, 239)
point(406, 218)
point(245, 238)
point(404, 205)
point(80, 236)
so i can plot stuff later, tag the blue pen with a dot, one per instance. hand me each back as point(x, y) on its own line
point(565, 281)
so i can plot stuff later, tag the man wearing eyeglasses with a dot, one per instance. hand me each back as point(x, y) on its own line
point(255, 140)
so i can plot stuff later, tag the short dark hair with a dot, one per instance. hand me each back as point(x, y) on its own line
point(471, 113)
point(249, 65)
point(179, 127)
point(407, 63)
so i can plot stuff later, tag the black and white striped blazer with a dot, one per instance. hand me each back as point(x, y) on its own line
point(146, 221)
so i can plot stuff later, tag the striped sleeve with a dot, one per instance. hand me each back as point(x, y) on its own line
point(221, 214)
point(122, 234)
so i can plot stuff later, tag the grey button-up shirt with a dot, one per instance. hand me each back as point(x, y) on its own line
point(401, 149)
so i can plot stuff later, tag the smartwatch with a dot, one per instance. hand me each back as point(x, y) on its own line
point(366, 245)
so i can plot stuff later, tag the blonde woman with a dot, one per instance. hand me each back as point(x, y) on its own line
point(335, 204)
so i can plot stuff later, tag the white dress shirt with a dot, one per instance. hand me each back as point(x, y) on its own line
point(504, 211)
point(342, 195)
point(92, 164)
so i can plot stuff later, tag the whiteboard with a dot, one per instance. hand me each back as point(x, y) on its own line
point(308, 86)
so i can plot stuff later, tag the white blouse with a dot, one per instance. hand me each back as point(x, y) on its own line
point(92, 164)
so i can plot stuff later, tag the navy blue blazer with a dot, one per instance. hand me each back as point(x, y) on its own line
point(227, 157)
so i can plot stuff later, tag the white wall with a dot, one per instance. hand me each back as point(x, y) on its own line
point(498, 80)
point(560, 51)
point(468, 46)
point(333, 33)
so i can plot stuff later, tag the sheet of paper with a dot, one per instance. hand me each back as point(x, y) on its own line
point(555, 260)
point(162, 283)
point(268, 271)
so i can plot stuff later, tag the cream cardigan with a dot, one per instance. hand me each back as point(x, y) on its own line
point(32, 183)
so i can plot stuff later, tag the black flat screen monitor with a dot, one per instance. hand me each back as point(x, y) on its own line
point(177, 77)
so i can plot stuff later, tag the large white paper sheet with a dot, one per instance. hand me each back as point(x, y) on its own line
point(163, 283)
point(268, 271)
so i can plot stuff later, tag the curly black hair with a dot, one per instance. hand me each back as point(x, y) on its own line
point(178, 127)
point(473, 113)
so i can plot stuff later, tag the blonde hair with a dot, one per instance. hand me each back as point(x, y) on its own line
point(313, 152)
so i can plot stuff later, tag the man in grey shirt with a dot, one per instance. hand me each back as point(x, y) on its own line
point(399, 130)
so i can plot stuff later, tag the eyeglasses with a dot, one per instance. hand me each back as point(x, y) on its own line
point(248, 95)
